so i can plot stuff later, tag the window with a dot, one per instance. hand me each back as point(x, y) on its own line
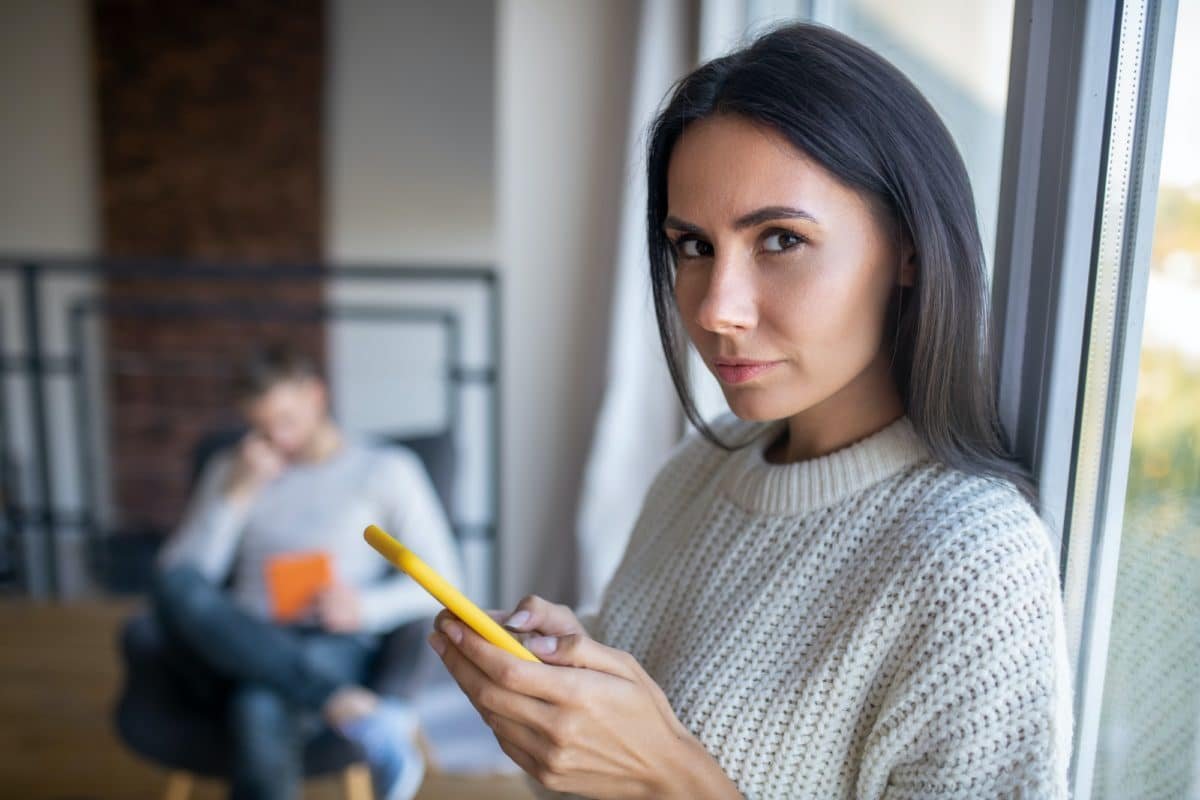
point(1148, 744)
point(957, 53)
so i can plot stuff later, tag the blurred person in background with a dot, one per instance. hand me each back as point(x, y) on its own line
point(268, 598)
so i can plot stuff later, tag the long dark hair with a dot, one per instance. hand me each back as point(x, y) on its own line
point(862, 120)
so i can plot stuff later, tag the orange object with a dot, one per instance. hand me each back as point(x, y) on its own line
point(294, 580)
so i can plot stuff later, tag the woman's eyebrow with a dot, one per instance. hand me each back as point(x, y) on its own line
point(756, 217)
point(680, 225)
point(768, 213)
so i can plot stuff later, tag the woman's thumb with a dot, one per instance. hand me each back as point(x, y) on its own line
point(580, 650)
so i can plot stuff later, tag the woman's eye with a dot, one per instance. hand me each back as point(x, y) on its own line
point(780, 241)
point(690, 247)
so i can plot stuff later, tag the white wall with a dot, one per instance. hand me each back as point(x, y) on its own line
point(409, 131)
point(563, 76)
point(47, 132)
point(409, 178)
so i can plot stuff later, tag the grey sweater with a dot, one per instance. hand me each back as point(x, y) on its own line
point(869, 624)
point(323, 506)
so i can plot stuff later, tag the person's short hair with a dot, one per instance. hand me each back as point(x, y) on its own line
point(271, 365)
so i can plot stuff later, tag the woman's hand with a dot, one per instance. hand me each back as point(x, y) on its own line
point(603, 729)
point(533, 614)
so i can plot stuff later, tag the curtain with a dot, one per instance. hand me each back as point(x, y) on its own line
point(639, 421)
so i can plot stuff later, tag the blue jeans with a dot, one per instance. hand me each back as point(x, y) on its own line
point(272, 679)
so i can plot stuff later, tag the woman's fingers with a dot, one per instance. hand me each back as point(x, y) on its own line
point(525, 677)
point(521, 737)
point(540, 618)
point(555, 687)
point(590, 721)
point(573, 650)
point(580, 650)
point(488, 696)
point(521, 758)
point(497, 615)
point(583, 651)
point(535, 614)
point(550, 764)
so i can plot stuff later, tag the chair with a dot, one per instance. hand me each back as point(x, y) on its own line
point(155, 721)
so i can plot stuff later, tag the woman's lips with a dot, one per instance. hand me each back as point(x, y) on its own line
point(742, 371)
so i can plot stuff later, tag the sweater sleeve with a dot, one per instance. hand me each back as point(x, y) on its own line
point(981, 707)
point(415, 516)
point(208, 535)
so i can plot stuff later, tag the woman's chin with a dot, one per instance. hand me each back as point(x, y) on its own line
point(750, 408)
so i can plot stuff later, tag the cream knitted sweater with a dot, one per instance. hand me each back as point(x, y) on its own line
point(869, 624)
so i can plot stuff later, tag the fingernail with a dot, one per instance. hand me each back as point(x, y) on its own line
point(453, 631)
point(517, 620)
point(437, 643)
point(542, 645)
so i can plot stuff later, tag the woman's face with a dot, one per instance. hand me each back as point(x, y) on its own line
point(784, 275)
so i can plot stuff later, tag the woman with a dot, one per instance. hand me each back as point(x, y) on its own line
point(843, 589)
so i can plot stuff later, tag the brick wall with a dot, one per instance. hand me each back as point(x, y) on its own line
point(210, 150)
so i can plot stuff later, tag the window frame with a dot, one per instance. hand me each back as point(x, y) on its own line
point(1066, 61)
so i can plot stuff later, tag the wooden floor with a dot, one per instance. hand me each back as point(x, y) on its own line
point(58, 676)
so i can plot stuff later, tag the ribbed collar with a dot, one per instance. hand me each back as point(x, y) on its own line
point(758, 485)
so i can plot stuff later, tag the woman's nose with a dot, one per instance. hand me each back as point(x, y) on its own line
point(729, 303)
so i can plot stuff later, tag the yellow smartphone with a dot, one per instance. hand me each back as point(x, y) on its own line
point(454, 600)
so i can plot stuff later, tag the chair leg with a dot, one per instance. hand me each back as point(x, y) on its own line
point(356, 782)
point(179, 785)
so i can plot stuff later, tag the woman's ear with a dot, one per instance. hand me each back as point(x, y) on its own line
point(907, 276)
